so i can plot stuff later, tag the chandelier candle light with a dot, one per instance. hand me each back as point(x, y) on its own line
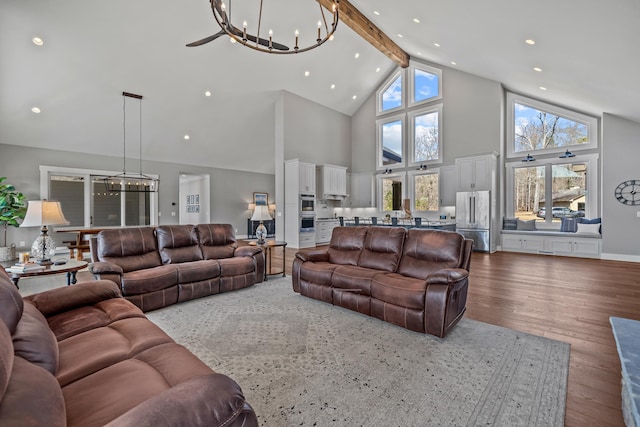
point(222, 15)
point(41, 213)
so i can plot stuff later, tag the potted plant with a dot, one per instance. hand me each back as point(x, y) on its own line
point(12, 209)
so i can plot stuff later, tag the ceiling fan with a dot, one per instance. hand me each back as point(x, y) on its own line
point(218, 6)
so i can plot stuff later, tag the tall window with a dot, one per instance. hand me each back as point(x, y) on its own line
point(391, 95)
point(391, 137)
point(391, 192)
point(426, 135)
point(560, 179)
point(425, 191)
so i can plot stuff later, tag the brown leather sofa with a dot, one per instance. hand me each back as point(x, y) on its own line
point(414, 278)
point(156, 267)
point(84, 356)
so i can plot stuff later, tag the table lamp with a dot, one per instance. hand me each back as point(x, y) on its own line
point(41, 213)
point(261, 213)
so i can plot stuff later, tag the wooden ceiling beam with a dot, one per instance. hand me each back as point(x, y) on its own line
point(359, 23)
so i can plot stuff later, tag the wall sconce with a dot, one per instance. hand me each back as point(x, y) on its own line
point(529, 158)
point(422, 167)
point(567, 154)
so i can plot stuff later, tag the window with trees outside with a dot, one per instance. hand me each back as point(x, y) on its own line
point(425, 191)
point(560, 178)
point(425, 135)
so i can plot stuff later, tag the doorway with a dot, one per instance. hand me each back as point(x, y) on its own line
point(195, 201)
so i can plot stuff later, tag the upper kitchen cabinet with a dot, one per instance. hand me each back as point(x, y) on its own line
point(448, 183)
point(306, 177)
point(331, 182)
point(477, 173)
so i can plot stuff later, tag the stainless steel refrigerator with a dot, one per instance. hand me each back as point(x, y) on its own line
point(473, 219)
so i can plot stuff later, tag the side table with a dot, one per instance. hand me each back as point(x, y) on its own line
point(268, 247)
point(71, 267)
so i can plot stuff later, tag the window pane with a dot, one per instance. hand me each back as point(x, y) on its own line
point(425, 85)
point(392, 96)
point(137, 208)
point(69, 191)
point(569, 190)
point(105, 206)
point(426, 192)
point(538, 130)
point(528, 192)
point(392, 142)
point(391, 194)
point(426, 135)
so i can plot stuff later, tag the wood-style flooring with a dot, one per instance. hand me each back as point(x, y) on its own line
point(567, 299)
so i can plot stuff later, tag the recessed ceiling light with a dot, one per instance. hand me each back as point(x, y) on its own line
point(436, 44)
point(37, 41)
point(207, 93)
point(543, 88)
point(357, 55)
point(416, 20)
point(306, 73)
point(186, 137)
point(538, 69)
point(419, 53)
point(454, 63)
point(378, 70)
point(333, 86)
point(400, 35)
point(375, 12)
point(36, 110)
point(530, 41)
point(354, 96)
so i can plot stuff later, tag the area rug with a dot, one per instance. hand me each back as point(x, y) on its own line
point(302, 362)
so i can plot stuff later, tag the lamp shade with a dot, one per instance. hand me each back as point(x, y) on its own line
point(43, 212)
point(261, 213)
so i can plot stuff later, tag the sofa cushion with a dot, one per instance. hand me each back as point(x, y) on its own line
point(216, 240)
point(426, 251)
point(354, 278)
point(34, 341)
point(236, 266)
point(149, 280)
point(11, 303)
point(195, 271)
point(382, 248)
point(346, 245)
point(399, 290)
point(130, 248)
point(317, 272)
point(178, 243)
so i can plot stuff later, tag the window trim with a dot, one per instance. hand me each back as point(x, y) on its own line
point(403, 180)
point(589, 121)
point(413, 66)
point(412, 188)
point(46, 171)
point(380, 93)
point(402, 117)
point(591, 206)
point(411, 131)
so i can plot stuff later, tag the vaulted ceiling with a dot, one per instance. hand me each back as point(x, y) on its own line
point(93, 51)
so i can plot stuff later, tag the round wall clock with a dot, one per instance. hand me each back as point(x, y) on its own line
point(628, 192)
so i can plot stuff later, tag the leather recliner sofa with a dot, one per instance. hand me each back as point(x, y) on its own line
point(159, 266)
point(414, 278)
point(82, 355)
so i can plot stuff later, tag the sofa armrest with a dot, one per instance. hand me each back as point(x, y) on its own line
point(317, 255)
point(209, 400)
point(247, 251)
point(102, 267)
point(58, 300)
point(447, 276)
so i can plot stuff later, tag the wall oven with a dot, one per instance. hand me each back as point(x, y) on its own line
point(307, 203)
point(307, 223)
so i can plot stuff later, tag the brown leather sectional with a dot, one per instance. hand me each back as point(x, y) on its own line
point(414, 278)
point(159, 266)
point(84, 356)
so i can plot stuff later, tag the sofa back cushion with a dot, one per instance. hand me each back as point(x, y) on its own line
point(426, 251)
point(34, 341)
point(382, 248)
point(6, 358)
point(346, 245)
point(178, 243)
point(130, 248)
point(216, 240)
point(11, 304)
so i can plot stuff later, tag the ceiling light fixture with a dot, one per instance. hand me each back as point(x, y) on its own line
point(530, 42)
point(436, 44)
point(37, 41)
point(354, 97)
point(357, 55)
point(128, 182)
point(400, 35)
point(207, 93)
point(454, 63)
point(375, 12)
point(307, 73)
point(543, 88)
point(416, 20)
point(241, 33)
point(333, 86)
point(538, 69)
point(567, 154)
point(378, 70)
point(186, 137)
point(529, 158)
point(36, 110)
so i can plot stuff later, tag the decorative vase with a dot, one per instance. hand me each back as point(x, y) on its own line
point(8, 253)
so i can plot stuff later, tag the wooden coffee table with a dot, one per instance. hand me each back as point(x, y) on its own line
point(268, 248)
point(71, 267)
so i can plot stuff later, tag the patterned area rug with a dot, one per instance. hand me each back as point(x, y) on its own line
point(302, 362)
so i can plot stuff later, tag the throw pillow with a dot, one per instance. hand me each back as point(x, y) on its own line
point(588, 228)
point(569, 225)
point(529, 225)
point(509, 223)
point(591, 221)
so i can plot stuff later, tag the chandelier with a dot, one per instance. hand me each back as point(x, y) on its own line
point(243, 33)
point(131, 182)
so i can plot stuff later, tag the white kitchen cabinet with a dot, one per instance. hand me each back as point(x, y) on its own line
point(362, 190)
point(299, 178)
point(331, 182)
point(324, 229)
point(477, 173)
point(448, 184)
point(520, 243)
point(307, 178)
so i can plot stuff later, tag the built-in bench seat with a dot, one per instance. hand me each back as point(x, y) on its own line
point(552, 233)
point(551, 242)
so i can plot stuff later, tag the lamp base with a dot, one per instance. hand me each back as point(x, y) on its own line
point(261, 233)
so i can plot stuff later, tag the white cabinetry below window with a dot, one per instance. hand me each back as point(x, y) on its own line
point(552, 243)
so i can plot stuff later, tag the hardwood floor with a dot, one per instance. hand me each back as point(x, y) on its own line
point(567, 299)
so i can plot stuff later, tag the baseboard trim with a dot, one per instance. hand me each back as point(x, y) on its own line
point(620, 257)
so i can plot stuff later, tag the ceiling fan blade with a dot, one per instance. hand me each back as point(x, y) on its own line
point(206, 39)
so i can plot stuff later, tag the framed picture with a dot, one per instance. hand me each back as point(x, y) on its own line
point(260, 199)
